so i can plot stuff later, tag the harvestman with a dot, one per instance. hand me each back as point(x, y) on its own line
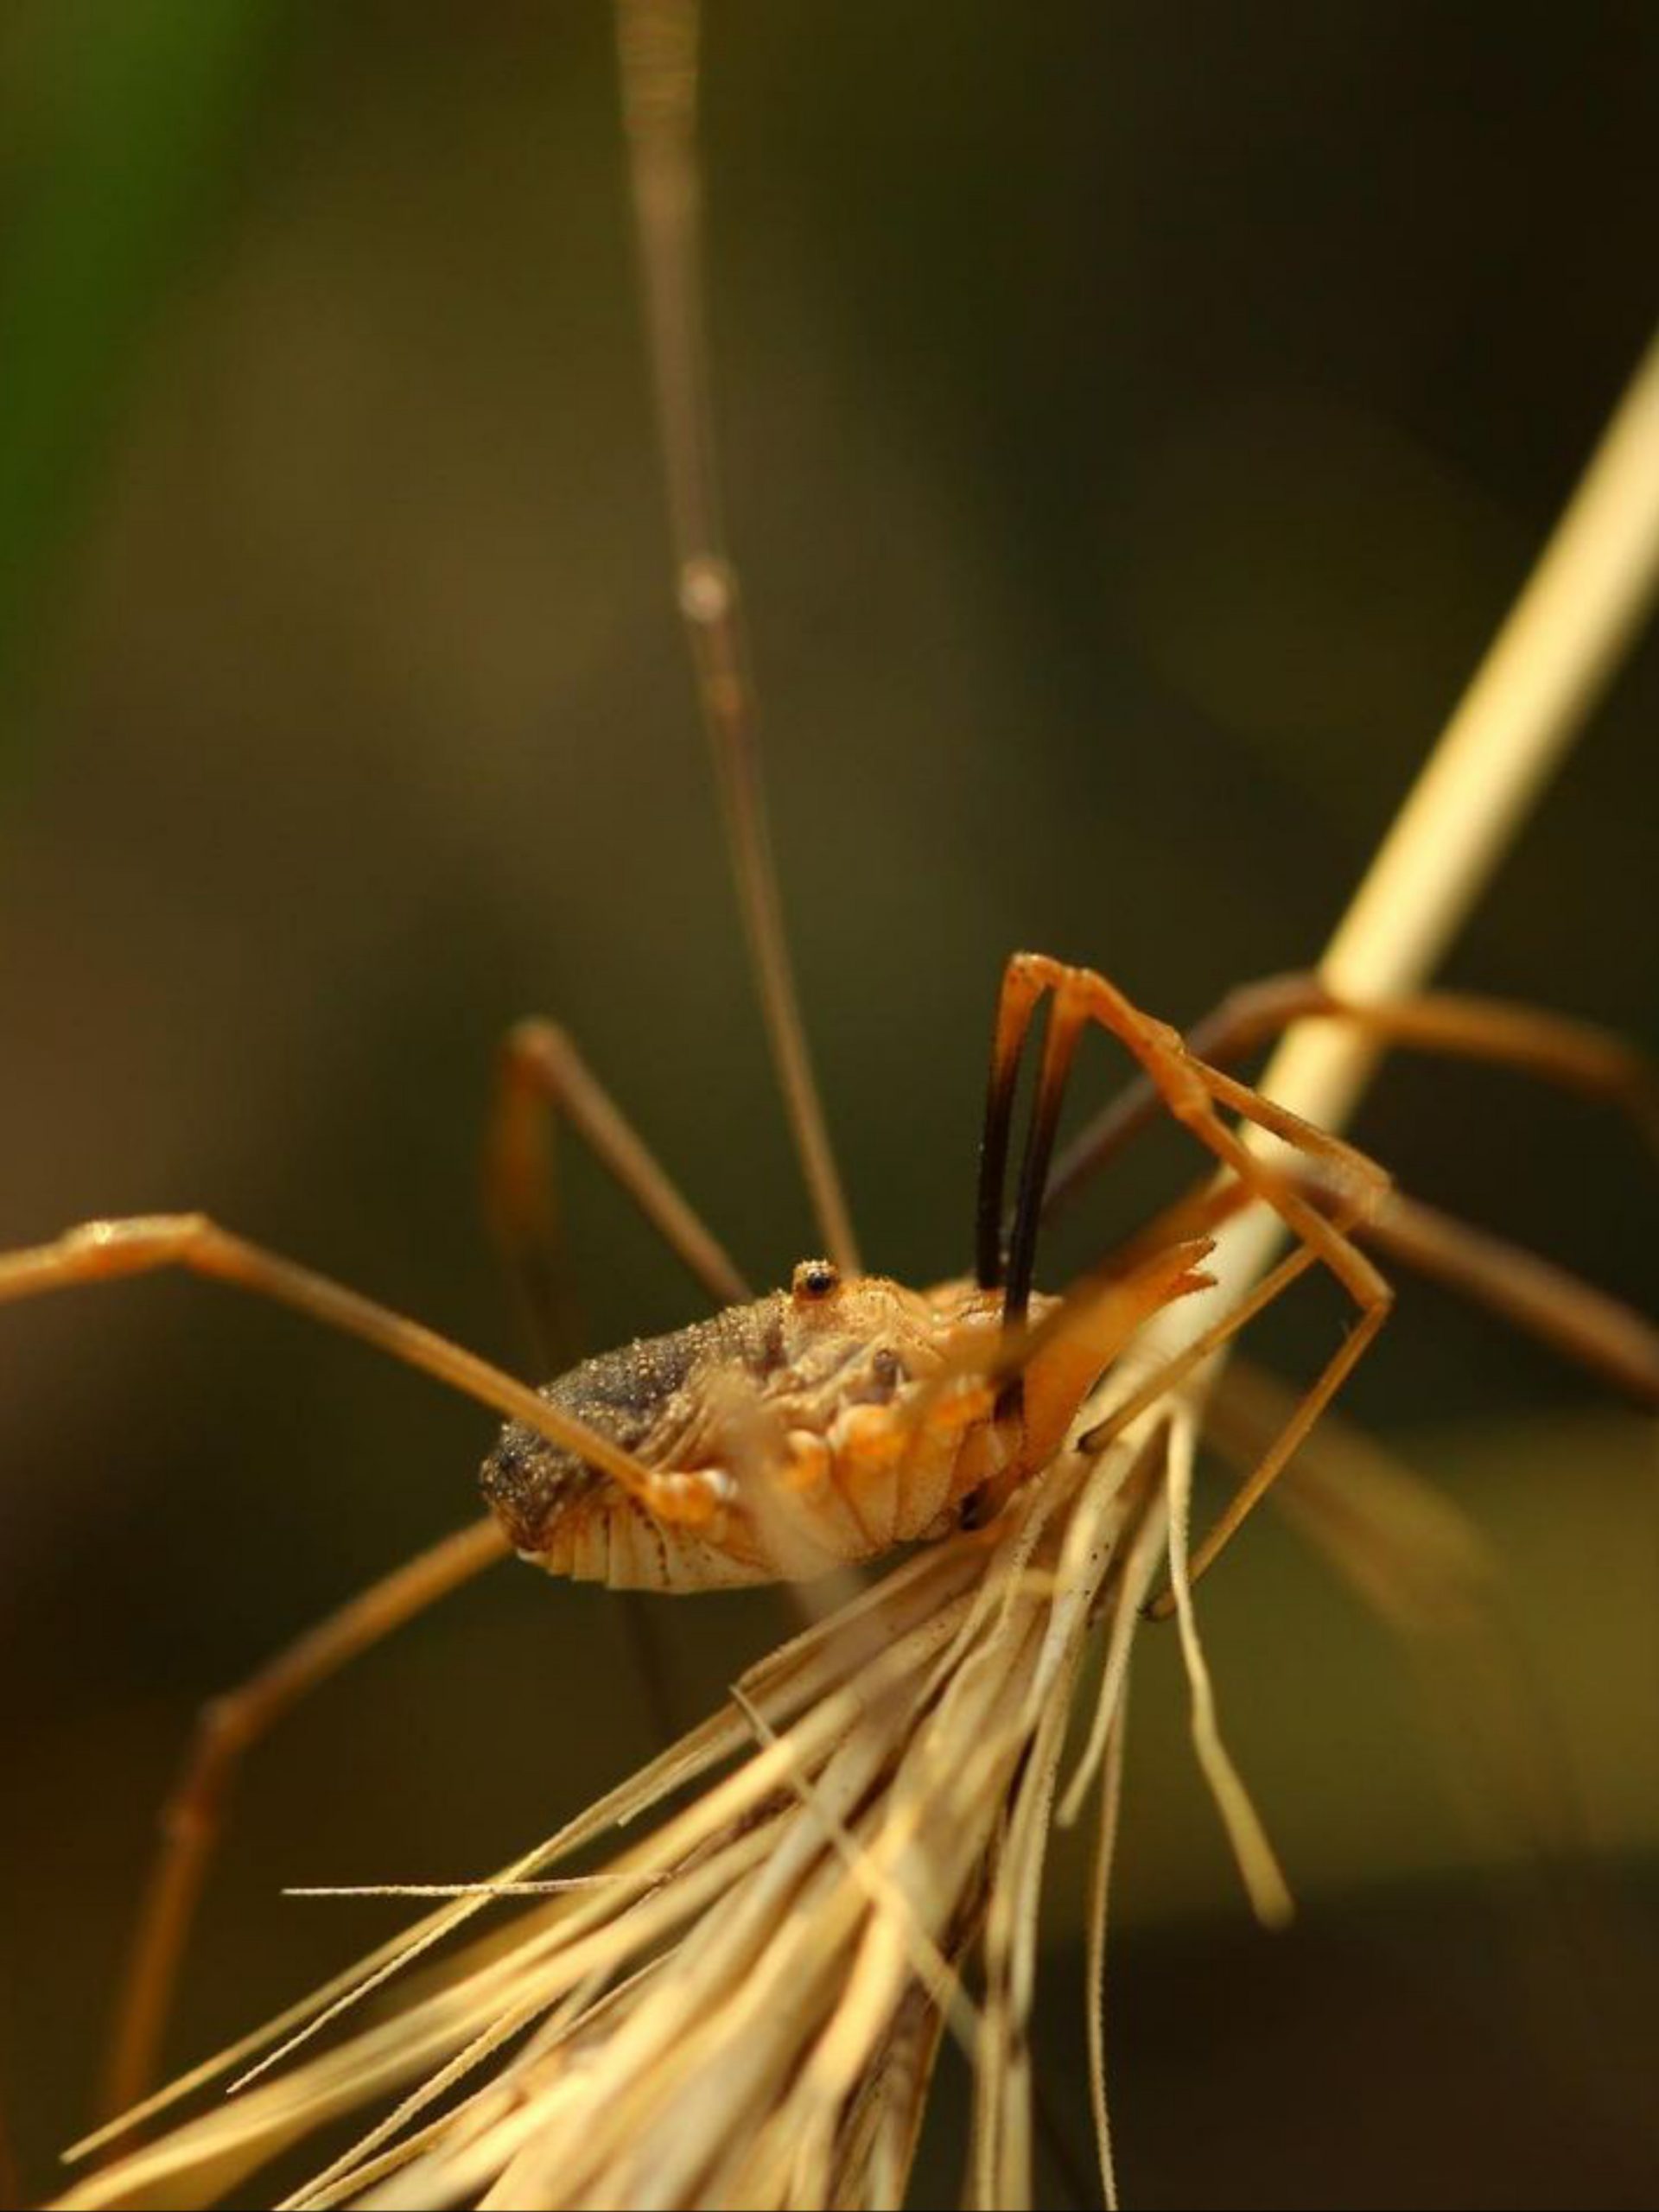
point(822, 1424)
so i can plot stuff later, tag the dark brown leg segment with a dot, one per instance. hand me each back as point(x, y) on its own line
point(1194, 1093)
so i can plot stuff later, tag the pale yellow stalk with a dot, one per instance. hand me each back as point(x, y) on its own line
point(1588, 597)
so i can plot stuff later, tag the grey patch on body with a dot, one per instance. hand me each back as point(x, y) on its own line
point(643, 1397)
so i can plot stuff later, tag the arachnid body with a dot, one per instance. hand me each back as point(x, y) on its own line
point(809, 1384)
point(813, 1428)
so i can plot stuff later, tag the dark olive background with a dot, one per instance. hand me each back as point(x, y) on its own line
point(1136, 420)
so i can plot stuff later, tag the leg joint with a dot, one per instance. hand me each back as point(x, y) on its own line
point(535, 1047)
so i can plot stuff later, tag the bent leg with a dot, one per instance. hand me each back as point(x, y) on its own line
point(146, 1244)
point(103, 1250)
point(542, 1078)
point(1573, 1054)
point(1193, 1092)
point(1532, 1295)
point(193, 1816)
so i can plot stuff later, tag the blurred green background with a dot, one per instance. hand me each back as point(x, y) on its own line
point(1136, 420)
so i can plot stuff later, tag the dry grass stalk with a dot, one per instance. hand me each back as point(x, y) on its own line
point(1588, 598)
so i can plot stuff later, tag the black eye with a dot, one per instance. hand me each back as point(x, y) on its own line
point(815, 1279)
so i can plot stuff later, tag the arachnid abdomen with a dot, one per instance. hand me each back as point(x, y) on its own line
point(780, 1439)
point(653, 1397)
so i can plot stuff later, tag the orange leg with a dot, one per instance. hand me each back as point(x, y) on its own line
point(1573, 1054)
point(103, 1250)
point(1584, 1324)
point(657, 47)
point(145, 1244)
point(193, 1815)
point(541, 1076)
point(1530, 1292)
point(1193, 1092)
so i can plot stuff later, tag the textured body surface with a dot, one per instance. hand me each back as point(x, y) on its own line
point(793, 1413)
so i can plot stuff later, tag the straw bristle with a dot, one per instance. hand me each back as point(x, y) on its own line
point(749, 2008)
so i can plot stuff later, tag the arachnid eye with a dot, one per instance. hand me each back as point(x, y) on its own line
point(815, 1278)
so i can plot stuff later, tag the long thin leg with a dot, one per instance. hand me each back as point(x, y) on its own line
point(1016, 1003)
point(1531, 1293)
point(539, 1069)
point(1193, 1091)
point(657, 42)
point(540, 1076)
point(1573, 1054)
point(101, 1250)
point(193, 1816)
point(104, 1250)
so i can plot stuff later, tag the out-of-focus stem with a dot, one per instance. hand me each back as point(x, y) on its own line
point(1581, 608)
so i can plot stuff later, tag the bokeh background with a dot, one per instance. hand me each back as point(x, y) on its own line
point(1136, 420)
